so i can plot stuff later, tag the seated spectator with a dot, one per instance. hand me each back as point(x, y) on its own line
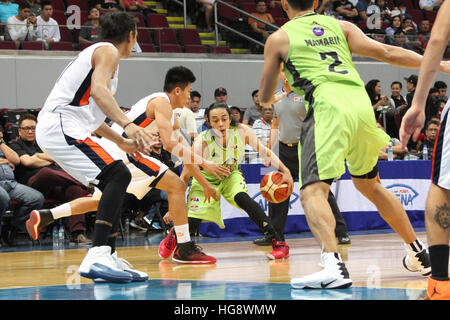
point(209, 12)
point(261, 13)
point(253, 113)
point(432, 105)
point(28, 198)
point(400, 40)
point(430, 5)
point(236, 114)
point(396, 24)
point(47, 27)
point(399, 102)
point(410, 31)
point(39, 171)
point(35, 7)
point(186, 119)
point(195, 108)
point(205, 125)
point(325, 7)
point(424, 32)
point(361, 7)
point(345, 9)
point(8, 9)
point(105, 6)
point(137, 6)
point(431, 129)
point(378, 35)
point(442, 87)
point(373, 89)
point(21, 27)
point(384, 10)
point(261, 127)
point(397, 149)
point(89, 31)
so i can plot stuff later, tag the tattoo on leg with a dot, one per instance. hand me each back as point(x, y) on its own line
point(442, 216)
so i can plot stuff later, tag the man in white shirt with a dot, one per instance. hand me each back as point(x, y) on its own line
point(186, 120)
point(23, 26)
point(430, 5)
point(48, 28)
point(195, 108)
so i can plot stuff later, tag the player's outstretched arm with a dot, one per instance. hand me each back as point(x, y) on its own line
point(362, 45)
point(414, 119)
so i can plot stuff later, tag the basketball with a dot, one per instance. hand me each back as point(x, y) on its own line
point(272, 190)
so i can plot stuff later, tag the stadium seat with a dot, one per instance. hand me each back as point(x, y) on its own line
point(165, 36)
point(189, 37)
point(12, 116)
point(227, 14)
point(195, 48)
point(431, 16)
point(84, 45)
point(11, 132)
point(221, 50)
point(416, 15)
point(66, 34)
point(83, 4)
point(147, 47)
point(280, 21)
point(410, 5)
point(58, 5)
point(249, 7)
point(170, 48)
point(33, 45)
point(276, 12)
point(9, 45)
point(144, 37)
point(140, 18)
point(62, 46)
point(60, 17)
point(157, 21)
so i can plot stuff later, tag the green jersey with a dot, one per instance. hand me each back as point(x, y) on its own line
point(230, 156)
point(318, 54)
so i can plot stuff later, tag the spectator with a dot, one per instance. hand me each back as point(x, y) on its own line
point(187, 123)
point(39, 171)
point(8, 9)
point(424, 32)
point(384, 10)
point(430, 5)
point(397, 149)
point(378, 35)
point(433, 104)
point(205, 125)
point(345, 9)
point(48, 28)
point(398, 101)
point(89, 31)
point(35, 7)
point(261, 13)
point(10, 189)
point(236, 114)
point(442, 87)
point(411, 83)
point(431, 130)
point(21, 27)
point(325, 7)
point(400, 40)
point(410, 30)
point(373, 88)
point(396, 24)
point(195, 107)
point(220, 95)
point(254, 112)
point(105, 6)
point(261, 126)
point(209, 11)
point(361, 7)
point(137, 6)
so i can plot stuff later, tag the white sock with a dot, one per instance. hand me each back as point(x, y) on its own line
point(61, 211)
point(182, 233)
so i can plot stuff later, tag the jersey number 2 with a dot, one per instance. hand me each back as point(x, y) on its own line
point(337, 62)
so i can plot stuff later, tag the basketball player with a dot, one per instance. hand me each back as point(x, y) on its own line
point(224, 144)
point(437, 208)
point(148, 172)
point(339, 126)
point(77, 106)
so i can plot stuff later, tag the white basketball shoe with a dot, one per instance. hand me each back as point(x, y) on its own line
point(99, 263)
point(417, 261)
point(333, 276)
point(124, 265)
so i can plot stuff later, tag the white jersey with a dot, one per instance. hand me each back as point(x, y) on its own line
point(70, 97)
point(138, 112)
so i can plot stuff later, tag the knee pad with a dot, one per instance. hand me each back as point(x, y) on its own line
point(116, 171)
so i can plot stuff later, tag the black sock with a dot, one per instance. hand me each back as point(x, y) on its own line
point(257, 215)
point(439, 261)
point(194, 224)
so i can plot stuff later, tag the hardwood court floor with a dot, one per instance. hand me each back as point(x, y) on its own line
point(242, 271)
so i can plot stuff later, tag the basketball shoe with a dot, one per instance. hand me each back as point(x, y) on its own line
point(99, 263)
point(438, 290)
point(122, 264)
point(417, 261)
point(168, 244)
point(333, 276)
point(38, 220)
point(189, 252)
point(280, 250)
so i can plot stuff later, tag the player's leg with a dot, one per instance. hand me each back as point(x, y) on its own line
point(437, 221)
point(179, 239)
point(341, 230)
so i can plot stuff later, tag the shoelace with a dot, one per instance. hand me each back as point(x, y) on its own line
point(125, 262)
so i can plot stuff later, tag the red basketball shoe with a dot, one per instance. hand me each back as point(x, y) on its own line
point(189, 252)
point(280, 250)
point(168, 244)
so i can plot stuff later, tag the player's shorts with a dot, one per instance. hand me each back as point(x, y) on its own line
point(340, 126)
point(210, 211)
point(84, 156)
point(440, 173)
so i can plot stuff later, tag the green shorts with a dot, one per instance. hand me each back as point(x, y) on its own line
point(210, 211)
point(340, 126)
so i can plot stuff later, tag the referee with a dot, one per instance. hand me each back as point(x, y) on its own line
point(286, 127)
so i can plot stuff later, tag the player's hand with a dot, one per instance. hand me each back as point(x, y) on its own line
point(141, 137)
point(210, 192)
point(167, 219)
point(412, 123)
point(287, 178)
point(444, 66)
point(128, 146)
point(215, 169)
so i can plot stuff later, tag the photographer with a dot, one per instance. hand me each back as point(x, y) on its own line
point(22, 27)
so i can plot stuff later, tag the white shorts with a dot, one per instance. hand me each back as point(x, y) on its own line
point(440, 173)
point(84, 156)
